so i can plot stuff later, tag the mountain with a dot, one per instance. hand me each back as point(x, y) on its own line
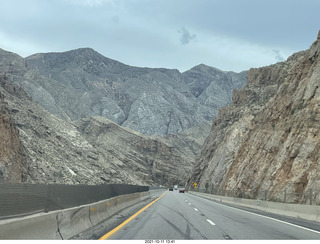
point(38, 147)
point(213, 87)
point(83, 83)
point(267, 140)
point(61, 115)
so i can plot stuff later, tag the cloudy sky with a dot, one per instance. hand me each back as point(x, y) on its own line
point(232, 35)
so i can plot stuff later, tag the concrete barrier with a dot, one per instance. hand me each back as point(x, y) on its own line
point(73, 221)
point(308, 212)
point(101, 211)
point(41, 227)
point(64, 224)
point(105, 209)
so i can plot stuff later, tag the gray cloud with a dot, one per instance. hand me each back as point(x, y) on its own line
point(186, 37)
point(278, 56)
point(148, 33)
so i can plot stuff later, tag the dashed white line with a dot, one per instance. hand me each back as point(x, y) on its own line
point(210, 222)
point(280, 221)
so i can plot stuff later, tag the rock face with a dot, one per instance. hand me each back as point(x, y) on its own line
point(69, 138)
point(12, 162)
point(211, 86)
point(38, 147)
point(268, 139)
point(83, 83)
point(149, 158)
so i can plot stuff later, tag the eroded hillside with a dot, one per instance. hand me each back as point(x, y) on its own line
point(69, 140)
point(38, 147)
point(12, 161)
point(83, 83)
point(268, 139)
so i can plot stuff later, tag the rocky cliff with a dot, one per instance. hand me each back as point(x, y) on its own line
point(68, 139)
point(150, 159)
point(12, 161)
point(38, 147)
point(268, 139)
point(83, 83)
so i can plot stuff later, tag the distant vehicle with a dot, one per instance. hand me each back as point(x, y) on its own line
point(170, 189)
point(181, 190)
point(176, 187)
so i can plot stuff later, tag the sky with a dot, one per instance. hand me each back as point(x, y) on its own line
point(231, 35)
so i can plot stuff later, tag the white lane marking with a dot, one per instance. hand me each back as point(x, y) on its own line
point(189, 204)
point(210, 222)
point(281, 221)
point(186, 200)
point(196, 209)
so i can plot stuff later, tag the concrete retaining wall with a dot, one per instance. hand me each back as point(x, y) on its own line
point(66, 223)
point(308, 212)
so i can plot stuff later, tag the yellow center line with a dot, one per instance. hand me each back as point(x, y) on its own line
point(106, 236)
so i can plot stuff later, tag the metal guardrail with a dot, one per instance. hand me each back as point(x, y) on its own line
point(17, 200)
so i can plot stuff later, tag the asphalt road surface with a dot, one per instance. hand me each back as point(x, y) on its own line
point(182, 216)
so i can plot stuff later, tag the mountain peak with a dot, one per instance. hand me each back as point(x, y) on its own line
point(12, 63)
point(87, 51)
point(68, 55)
point(81, 57)
point(204, 68)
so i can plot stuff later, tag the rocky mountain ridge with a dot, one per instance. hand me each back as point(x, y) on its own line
point(83, 83)
point(38, 147)
point(267, 140)
point(50, 150)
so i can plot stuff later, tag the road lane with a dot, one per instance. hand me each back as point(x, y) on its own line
point(169, 218)
point(243, 225)
point(182, 216)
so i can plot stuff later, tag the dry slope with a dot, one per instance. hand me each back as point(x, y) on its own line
point(268, 139)
point(38, 147)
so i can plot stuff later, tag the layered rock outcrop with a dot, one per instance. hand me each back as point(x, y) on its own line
point(38, 147)
point(12, 162)
point(69, 138)
point(267, 141)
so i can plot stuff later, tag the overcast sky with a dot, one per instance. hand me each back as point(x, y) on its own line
point(232, 35)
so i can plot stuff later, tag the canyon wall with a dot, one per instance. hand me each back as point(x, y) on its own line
point(267, 141)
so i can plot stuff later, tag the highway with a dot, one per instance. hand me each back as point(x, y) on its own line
point(183, 216)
